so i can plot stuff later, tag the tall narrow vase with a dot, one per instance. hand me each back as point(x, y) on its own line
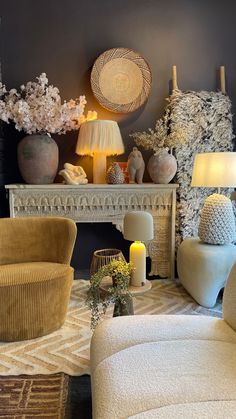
point(38, 159)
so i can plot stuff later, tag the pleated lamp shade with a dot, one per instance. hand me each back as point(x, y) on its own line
point(99, 138)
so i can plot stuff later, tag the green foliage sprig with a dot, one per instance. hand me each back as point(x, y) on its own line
point(118, 270)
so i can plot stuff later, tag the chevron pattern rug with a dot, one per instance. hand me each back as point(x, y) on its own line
point(67, 350)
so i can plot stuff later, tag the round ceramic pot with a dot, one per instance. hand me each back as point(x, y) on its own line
point(162, 167)
point(38, 159)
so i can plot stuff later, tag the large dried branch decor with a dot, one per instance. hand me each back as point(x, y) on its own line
point(208, 119)
point(164, 135)
point(193, 122)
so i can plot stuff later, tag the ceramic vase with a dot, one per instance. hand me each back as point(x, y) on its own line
point(115, 174)
point(162, 167)
point(38, 159)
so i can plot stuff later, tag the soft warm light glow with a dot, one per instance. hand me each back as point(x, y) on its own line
point(137, 256)
point(214, 170)
point(99, 136)
point(138, 226)
point(99, 168)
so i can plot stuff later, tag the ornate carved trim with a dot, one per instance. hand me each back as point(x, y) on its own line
point(105, 203)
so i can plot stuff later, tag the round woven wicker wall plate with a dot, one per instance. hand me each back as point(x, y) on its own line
point(121, 80)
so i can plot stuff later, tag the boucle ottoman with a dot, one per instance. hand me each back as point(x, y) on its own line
point(166, 366)
point(203, 268)
point(163, 366)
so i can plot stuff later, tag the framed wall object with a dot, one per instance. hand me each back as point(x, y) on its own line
point(121, 80)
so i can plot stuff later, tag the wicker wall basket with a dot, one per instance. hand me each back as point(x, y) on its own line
point(121, 80)
point(103, 257)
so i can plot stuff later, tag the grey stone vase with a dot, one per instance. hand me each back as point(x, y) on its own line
point(162, 167)
point(38, 159)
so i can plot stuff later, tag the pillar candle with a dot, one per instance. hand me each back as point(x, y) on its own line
point(138, 259)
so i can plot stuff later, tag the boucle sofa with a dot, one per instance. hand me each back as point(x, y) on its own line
point(166, 366)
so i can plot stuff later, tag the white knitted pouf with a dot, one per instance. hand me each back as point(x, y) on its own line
point(217, 223)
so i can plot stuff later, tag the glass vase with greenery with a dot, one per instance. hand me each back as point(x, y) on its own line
point(119, 272)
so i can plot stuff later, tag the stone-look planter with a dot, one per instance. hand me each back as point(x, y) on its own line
point(162, 167)
point(38, 159)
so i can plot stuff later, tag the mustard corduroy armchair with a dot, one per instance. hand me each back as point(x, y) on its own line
point(35, 275)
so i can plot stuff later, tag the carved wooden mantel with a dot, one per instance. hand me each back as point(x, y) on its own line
point(106, 203)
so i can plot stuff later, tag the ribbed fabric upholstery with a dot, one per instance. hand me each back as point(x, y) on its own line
point(32, 239)
point(35, 276)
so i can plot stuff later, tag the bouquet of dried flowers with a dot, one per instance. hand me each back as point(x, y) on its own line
point(163, 136)
point(37, 108)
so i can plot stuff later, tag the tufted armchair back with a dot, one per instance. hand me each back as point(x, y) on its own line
point(36, 239)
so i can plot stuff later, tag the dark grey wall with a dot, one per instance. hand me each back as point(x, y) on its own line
point(63, 38)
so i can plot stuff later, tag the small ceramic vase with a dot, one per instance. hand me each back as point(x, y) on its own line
point(115, 174)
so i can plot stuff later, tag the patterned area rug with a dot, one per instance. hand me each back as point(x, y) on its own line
point(67, 350)
point(38, 396)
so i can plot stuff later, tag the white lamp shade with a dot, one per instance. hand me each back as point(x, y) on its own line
point(138, 226)
point(214, 170)
point(99, 136)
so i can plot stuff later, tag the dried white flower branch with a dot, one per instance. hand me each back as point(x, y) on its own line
point(163, 136)
point(38, 108)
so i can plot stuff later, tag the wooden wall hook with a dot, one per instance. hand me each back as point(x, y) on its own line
point(174, 78)
point(222, 78)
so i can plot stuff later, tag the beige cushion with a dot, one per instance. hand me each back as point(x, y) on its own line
point(229, 300)
point(150, 364)
point(202, 410)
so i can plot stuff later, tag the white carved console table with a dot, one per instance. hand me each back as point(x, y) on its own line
point(106, 203)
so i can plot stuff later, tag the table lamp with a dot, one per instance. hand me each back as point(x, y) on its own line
point(99, 139)
point(218, 170)
point(138, 227)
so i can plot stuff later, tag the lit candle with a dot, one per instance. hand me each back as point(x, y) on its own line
point(137, 257)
